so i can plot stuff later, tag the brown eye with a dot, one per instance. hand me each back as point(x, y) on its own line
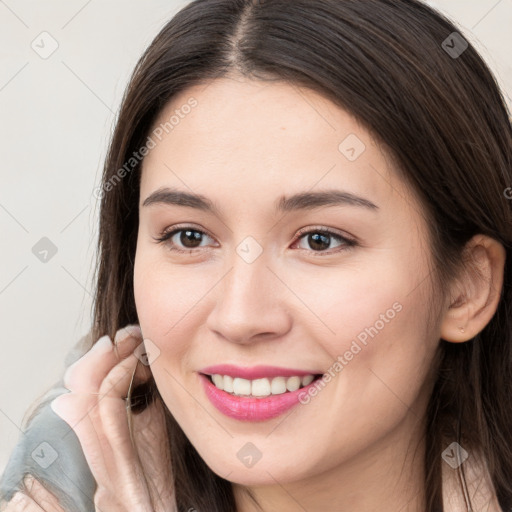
point(319, 241)
point(183, 240)
point(190, 238)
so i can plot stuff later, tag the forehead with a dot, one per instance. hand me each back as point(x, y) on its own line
point(247, 136)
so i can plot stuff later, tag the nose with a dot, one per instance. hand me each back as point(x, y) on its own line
point(250, 304)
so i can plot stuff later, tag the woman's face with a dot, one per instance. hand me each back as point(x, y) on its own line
point(242, 285)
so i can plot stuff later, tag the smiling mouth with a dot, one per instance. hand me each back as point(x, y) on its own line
point(260, 388)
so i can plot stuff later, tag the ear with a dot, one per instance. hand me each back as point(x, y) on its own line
point(474, 296)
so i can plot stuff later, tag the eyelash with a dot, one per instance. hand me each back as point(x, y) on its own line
point(349, 243)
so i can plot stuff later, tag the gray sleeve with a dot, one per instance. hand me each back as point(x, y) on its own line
point(49, 450)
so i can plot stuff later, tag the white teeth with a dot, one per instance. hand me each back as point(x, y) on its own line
point(293, 383)
point(308, 379)
point(218, 380)
point(241, 386)
point(260, 387)
point(278, 385)
point(228, 384)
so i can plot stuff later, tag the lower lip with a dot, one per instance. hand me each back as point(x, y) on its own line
point(251, 409)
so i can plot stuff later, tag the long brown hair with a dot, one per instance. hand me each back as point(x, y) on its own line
point(441, 116)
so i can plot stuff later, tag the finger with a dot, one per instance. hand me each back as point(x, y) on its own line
point(40, 495)
point(100, 422)
point(115, 422)
point(124, 341)
point(100, 417)
point(79, 377)
point(86, 374)
point(106, 408)
point(128, 372)
point(22, 503)
point(81, 413)
point(129, 331)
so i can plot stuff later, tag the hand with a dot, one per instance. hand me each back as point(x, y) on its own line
point(96, 410)
point(35, 498)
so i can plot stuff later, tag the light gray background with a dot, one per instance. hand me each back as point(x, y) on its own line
point(56, 117)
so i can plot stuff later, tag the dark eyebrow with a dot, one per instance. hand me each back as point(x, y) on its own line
point(301, 201)
point(311, 200)
point(172, 196)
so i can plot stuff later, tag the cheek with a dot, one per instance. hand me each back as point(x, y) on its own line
point(165, 301)
point(170, 302)
point(371, 326)
point(351, 303)
point(164, 294)
point(367, 316)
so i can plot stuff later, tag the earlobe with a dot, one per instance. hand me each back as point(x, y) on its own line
point(477, 293)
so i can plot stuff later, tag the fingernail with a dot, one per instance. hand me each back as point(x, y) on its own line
point(132, 330)
point(103, 343)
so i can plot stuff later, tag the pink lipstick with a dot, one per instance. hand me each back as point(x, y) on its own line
point(250, 408)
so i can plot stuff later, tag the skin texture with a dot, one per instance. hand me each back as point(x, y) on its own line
point(356, 445)
point(96, 410)
point(38, 499)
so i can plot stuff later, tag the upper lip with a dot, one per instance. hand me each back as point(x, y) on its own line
point(255, 372)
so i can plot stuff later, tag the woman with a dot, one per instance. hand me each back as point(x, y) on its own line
point(304, 264)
